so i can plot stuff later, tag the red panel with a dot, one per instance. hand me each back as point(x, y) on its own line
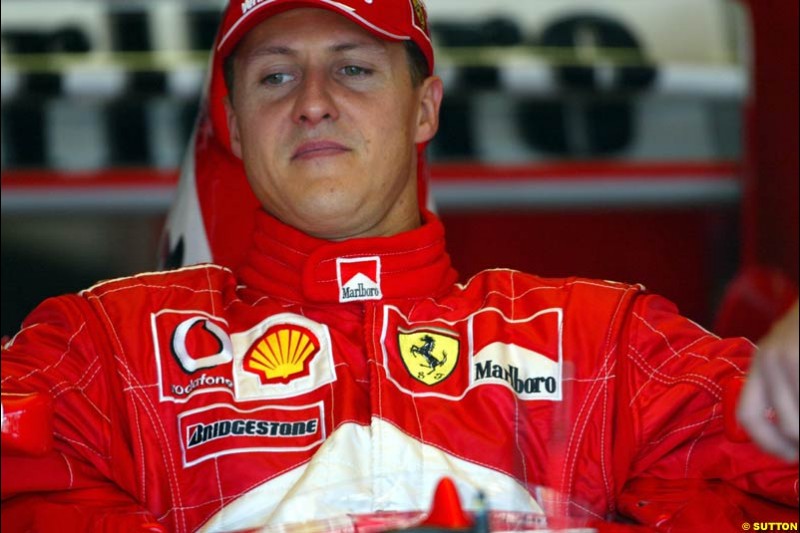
point(771, 203)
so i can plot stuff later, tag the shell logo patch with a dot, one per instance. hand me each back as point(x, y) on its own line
point(283, 356)
point(429, 355)
point(283, 353)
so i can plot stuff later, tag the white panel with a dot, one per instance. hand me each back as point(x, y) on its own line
point(362, 470)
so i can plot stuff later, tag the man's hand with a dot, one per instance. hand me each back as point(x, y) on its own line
point(768, 407)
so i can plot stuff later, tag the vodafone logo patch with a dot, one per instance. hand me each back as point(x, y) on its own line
point(359, 278)
point(193, 354)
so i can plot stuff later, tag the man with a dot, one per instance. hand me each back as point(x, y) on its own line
point(341, 372)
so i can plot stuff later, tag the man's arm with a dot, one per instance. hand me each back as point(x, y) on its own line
point(80, 479)
point(677, 462)
point(99, 510)
point(768, 406)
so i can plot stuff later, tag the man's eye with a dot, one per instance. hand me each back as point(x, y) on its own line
point(353, 70)
point(278, 78)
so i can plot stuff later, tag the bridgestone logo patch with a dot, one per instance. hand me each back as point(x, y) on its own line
point(224, 429)
point(202, 433)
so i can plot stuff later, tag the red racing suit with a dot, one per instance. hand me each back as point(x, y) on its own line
point(333, 379)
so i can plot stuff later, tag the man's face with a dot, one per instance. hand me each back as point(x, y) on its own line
point(325, 119)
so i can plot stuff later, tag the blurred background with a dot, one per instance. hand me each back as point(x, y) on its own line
point(642, 141)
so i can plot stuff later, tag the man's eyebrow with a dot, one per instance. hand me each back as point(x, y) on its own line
point(376, 46)
point(272, 50)
point(280, 50)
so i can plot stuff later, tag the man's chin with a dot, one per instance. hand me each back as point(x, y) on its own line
point(328, 224)
point(323, 166)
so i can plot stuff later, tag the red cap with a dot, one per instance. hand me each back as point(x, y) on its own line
point(392, 20)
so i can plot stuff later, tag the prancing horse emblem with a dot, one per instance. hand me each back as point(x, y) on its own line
point(429, 355)
point(426, 351)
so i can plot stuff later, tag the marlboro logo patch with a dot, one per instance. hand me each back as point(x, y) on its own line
point(359, 279)
point(521, 354)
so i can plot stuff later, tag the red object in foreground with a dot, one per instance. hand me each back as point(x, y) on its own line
point(756, 298)
point(446, 510)
point(27, 424)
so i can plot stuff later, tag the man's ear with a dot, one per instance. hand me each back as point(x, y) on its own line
point(233, 128)
point(431, 93)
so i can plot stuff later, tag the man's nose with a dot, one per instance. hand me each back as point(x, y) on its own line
point(315, 102)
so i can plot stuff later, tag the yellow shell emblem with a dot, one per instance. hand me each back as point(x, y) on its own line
point(429, 355)
point(282, 354)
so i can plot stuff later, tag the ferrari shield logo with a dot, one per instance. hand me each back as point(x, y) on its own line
point(429, 355)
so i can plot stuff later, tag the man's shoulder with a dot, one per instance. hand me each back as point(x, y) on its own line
point(520, 293)
point(195, 274)
point(184, 282)
point(517, 283)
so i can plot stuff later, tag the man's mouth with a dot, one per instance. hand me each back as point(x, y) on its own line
point(314, 149)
